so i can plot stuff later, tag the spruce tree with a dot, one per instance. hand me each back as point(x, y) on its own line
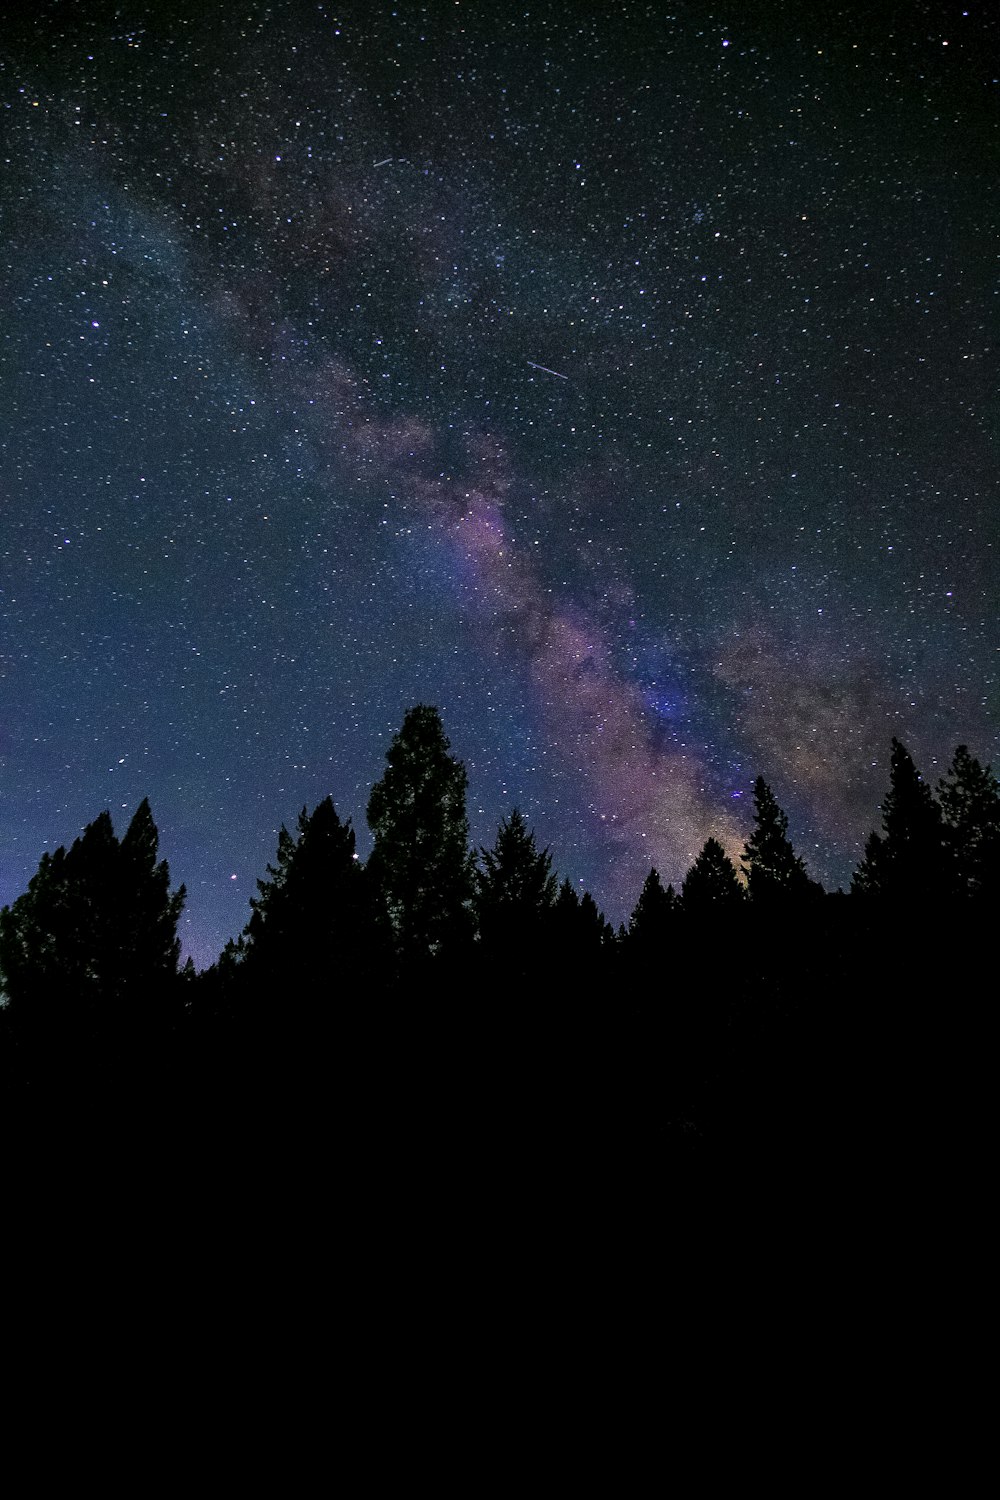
point(579, 947)
point(577, 925)
point(653, 911)
point(421, 862)
point(970, 803)
point(774, 872)
point(564, 921)
point(515, 889)
point(596, 931)
point(314, 919)
point(147, 913)
point(908, 860)
point(712, 884)
point(92, 943)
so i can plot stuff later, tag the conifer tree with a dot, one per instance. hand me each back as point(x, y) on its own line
point(315, 916)
point(515, 889)
point(970, 803)
point(774, 872)
point(96, 930)
point(578, 950)
point(148, 914)
point(908, 860)
point(577, 924)
point(595, 929)
point(712, 884)
point(565, 913)
point(421, 862)
point(653, 911)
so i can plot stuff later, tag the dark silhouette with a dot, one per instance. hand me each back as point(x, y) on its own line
point(774, 872)
point(712, 884)
point(316, 915)
point(650, 921)
point(476, 1022)
point(580, 933)
point(97, 926)
point(515, 892)
point(908, 861)
point(421, 863)
point(970, 803)
point(293, 992)
point(89, 953)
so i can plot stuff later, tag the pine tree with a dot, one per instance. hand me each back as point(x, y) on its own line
point(92, 943)
point(578, 949)
point(564, 921)
point(649, 922)
point(774, 872)
point(577, 925)
point(37, 954)
point(596, 931)
point(712, 884)
point(314, 918)
point(908, 860)
point(270, 897)
point(421, 862)
point(515, 890)
point(146, 926)
point(970, 803)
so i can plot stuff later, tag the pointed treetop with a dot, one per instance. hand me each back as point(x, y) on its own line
point(773, 870)
point(712, 881)
point(98, 922)
point(420, 860)
point(908, 860)
point(653, 910)
point(970, 804)
point(515, 873)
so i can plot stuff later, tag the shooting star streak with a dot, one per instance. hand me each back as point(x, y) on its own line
point(384, 163)
point(531, 362)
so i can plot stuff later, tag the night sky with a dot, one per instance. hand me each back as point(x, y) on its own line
point(619, 378)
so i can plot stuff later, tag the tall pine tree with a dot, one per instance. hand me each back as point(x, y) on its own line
point(711, 886)
point(421, 862)
point(315, 921)
point(515, 889)
point(970, 803)
point(908, 860)
point(774, 872)
point(650, 920)
point(147, 912)
point(91, 948)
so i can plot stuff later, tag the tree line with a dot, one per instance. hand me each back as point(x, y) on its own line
point(487, 958)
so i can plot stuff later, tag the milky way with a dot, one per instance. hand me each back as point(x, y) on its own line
point(619, 378)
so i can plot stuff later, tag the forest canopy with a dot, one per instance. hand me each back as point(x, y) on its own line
point(697, 977)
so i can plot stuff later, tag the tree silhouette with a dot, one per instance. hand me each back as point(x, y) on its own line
point(315, 915)
point(595, 930)
point(578, 925)
point(578, 951)
point(970, 803)
point(514, 891)
point(91, 947)
point(564, 923)
point(147, 914)
point(42, 933)
point(653, 911)
point(774, 872)
point(712, 884)
point(421, 862)
point(908, 860)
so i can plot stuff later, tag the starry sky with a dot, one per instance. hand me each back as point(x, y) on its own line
point(618, 377)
